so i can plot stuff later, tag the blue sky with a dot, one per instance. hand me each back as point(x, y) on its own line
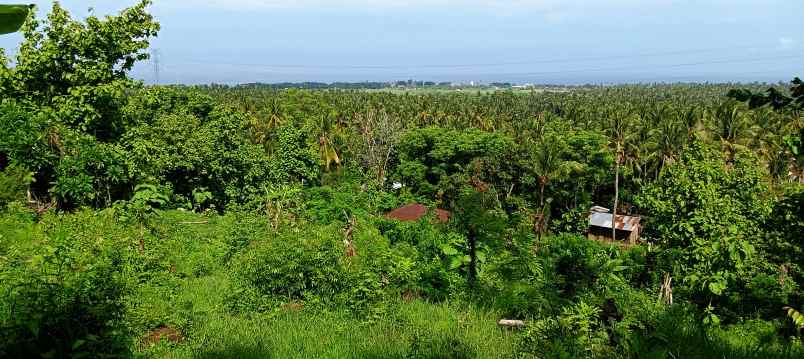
point(523, 41)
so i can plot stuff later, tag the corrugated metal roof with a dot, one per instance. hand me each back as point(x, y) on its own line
point(624, 223)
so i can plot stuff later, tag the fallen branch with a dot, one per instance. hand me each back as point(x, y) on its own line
point(199, 222)
point(511, 323)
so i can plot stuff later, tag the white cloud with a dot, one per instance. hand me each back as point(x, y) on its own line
point(785, 43)
point(247, 5)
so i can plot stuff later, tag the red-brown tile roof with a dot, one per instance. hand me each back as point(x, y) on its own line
point(411, 212)
point(415, 211)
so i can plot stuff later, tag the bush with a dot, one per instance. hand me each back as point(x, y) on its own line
point(424, 243)
point(22, 137)
point(91, 173)
point(287, 269)
point(317, 268)
point(14, 182)
point(783, 243)
point(326, 204)
point(710, 244)
point(576, 333)
point(678, 332)
point(192, 154)
point(577, 265)
point(436, 162)
point(62, 283)
point(294, 161)
point(631, 324)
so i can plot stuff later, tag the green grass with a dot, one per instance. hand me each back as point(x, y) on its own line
point(418, 330)
point(182, 281)
point(408, 329)
point(193, 300)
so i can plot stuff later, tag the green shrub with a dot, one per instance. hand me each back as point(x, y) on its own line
point(287, 269)
point(710, 245)
point(424, 243)
point(578, 265)
point(294, 160)
point(514, 281)
point(243, 228)
point(436, 162)
point(783, 243)
point(14, 182)
point(574, 221)
point(62, 284)
point(577, 332)
point(317, 268)
point(678, 332)
point(192, 154)
point(23, 137)
point(326, 204)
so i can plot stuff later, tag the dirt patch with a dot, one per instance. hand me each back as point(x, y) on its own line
point(162, 333)
point(443, 215)
point(410, 295)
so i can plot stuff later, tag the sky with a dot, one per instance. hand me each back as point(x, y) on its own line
point(520, 41)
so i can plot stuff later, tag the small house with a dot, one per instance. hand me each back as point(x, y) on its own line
point(627, 228)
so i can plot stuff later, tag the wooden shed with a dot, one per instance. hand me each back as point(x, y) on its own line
point(628, 227)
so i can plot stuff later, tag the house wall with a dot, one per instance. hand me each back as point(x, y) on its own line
point(602, 234)
point(634, 237)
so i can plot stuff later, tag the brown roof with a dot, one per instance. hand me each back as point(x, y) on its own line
point(415, 211)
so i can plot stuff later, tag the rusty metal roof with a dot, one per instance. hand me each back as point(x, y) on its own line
point(624, 223)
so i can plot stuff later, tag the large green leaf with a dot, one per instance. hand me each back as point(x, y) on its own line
point(12, 17)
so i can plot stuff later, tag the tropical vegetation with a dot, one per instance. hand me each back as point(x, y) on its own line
point(249, 221)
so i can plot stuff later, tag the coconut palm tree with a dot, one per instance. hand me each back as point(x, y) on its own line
point(549, 164)
point(327, 134)
point(667, 140)
point(547, 157)
point(730, 126)
point(621, 135)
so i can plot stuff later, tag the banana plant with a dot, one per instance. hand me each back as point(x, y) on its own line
point(796, 316)
point(12, 17)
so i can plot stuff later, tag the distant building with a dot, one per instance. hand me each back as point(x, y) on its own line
point(628, 227)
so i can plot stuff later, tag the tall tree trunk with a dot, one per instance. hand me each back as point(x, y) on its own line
point(142, 239)
point(540, 216)
point(542, 182)
point(472, 273)
point(616, 198)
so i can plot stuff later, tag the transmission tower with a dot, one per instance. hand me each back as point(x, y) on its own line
point(155, 57)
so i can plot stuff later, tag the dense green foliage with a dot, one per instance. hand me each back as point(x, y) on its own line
point(249, 221)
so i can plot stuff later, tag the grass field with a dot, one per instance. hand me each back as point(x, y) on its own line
point(193, 302)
